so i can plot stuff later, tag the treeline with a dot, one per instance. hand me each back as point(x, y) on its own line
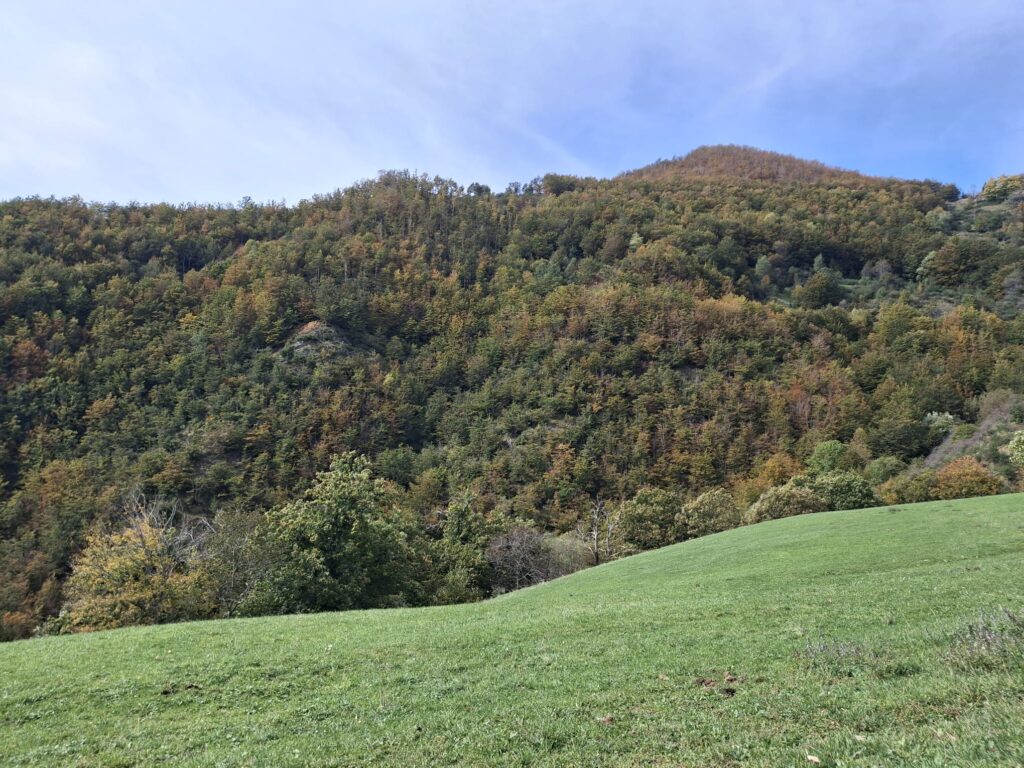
point(533, 355)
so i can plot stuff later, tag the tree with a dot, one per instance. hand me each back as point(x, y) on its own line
point(883, 468)
point(648, 519)
point(1001, 187)
point(523, 556)
point(345, 544)
point(233, 557)
point(463, 572)
point(600, 530)
point(830, 456)
point(820, 289)
point(141, 572)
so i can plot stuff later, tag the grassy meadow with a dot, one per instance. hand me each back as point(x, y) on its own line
point(867, 637)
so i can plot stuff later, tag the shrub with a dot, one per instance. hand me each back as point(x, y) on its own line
point(844, 490)
point(966, 477)
point(1015, 450)
point(908, 488)
point(883, 468)
point(648, 519)
point(784, 501)
point(711, 512)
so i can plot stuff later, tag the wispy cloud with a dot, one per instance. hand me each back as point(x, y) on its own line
point(207, 101)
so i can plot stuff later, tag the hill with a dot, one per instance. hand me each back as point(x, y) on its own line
point(517, 357)
point(844, 638)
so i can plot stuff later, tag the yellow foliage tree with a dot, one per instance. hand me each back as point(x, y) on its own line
point(141, 573)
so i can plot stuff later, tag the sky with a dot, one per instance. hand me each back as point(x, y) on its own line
point(215, 101)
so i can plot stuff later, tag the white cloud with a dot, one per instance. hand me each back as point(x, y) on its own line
point(213, 101)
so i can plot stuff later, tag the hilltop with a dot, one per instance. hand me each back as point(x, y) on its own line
point(864, 637)
point(725, 161)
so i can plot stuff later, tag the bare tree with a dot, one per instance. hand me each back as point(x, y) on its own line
point(524, 556)
point(180, 537)
point(599, 530)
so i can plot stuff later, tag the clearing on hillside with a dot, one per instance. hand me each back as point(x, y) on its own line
point(869, 637)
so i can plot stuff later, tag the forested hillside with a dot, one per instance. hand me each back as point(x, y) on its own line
point(569, 356)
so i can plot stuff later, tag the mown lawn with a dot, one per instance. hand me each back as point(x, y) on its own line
point(828, 639)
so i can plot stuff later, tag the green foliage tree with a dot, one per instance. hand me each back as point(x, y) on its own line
point(648, 519)
point(345, 544)
point(463, 572)
point(819, 290)
point(831, 456)
point(883, 468)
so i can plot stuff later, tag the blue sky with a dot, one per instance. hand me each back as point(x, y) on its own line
point(213, 101)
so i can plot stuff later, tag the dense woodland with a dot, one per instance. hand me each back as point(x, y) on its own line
point(411, 392)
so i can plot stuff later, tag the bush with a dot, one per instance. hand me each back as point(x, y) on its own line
point(711, 512)
point(883, 468)
point(784, 501)
point(648, 519)
point(966, 477)
point(908, 488)
point(844, 490)
point(1015, 450)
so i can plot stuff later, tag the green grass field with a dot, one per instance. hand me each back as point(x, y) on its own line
point(828, 639)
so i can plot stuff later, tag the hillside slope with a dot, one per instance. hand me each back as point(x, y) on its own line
point(833, 636)
point(539, 350)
